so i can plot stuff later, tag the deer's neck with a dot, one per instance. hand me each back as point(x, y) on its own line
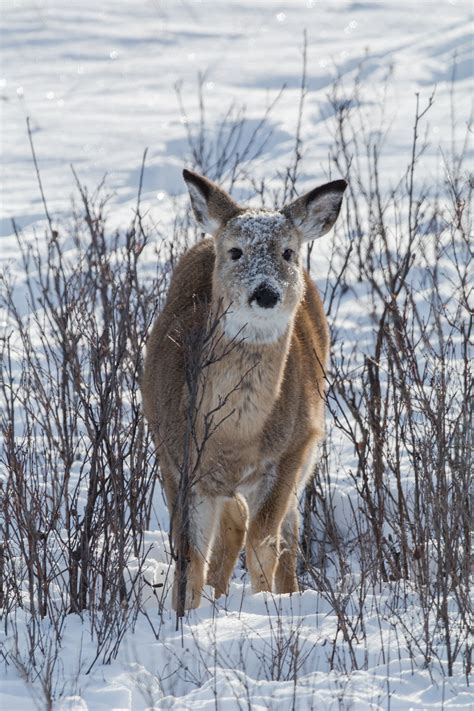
point(245, 383)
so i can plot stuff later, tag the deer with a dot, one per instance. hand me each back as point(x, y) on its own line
point(267, 385)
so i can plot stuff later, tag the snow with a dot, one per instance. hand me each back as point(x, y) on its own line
point(243, 652)
point(258, 225)
point(98, 81)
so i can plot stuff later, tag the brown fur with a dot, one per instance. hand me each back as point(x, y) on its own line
point(253, 465)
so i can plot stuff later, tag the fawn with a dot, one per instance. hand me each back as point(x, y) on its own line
point(245, 431)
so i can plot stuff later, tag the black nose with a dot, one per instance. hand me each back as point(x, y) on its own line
point(265, 297)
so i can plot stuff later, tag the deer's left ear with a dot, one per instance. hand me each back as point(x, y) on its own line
point(212, 206)
point(314, 213)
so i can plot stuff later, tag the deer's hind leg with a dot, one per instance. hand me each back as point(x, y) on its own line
point(228, 542)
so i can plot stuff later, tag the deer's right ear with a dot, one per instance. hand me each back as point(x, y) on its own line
point(212, 206)
point(316, 212)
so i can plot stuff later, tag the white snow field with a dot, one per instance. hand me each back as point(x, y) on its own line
point(98, 81)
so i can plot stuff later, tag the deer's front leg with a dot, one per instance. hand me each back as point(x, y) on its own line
point(262, 551)
point(193, 540)
point(264, 542)
point(286, 580)
point(271, 560)
point(228, 542)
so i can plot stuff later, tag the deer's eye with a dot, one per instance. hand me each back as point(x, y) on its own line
point(235, 253)
point(287, 254)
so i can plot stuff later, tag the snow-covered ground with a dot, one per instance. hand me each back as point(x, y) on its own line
point(98, 82)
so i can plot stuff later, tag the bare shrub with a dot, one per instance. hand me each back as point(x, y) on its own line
point(402, 399)
point(79, 470)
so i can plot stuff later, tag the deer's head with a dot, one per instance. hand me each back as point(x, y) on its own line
point(258, 272)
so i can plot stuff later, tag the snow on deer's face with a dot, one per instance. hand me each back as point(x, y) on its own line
point(258, 275)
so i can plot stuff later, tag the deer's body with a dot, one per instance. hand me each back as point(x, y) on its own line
point(248, 425)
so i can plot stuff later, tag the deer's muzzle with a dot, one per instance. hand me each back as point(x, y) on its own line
point(265, 296)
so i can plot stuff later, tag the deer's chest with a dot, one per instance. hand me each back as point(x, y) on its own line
point(242, 394)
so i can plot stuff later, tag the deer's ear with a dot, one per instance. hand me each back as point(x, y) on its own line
point(314, 213)
point(212, 206)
